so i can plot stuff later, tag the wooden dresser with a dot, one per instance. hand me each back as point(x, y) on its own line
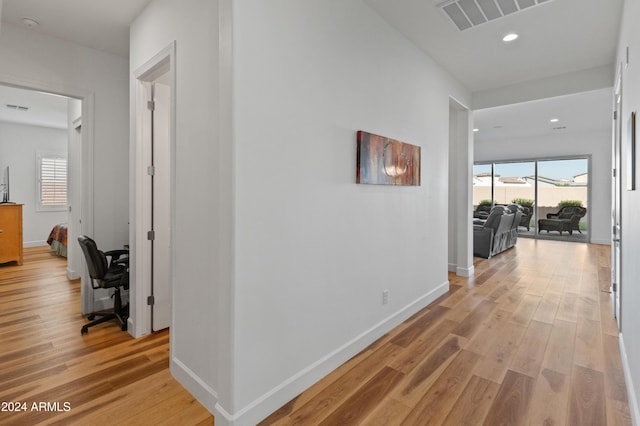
point(11, 233)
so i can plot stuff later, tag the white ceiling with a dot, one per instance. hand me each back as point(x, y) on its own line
point(557, 37)
point(99, 24)
point(43, 109)
point(582, 112)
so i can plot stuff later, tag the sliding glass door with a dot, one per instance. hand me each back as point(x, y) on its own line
point(564, 184)
point(542, 187)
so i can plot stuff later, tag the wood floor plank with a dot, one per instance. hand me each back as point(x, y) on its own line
point(411, 389)
point(473, 321)
point(436, 403)
point(523, 313)
point(588, 350)
point(549, 400)
point(473, 404)
point(587, 403)
point(559, 355)
point(614, 382)
point(512, 402)
point(360, 405)
point(331, 397)
point(427, 320)
point(618, 413)
point(531, 351)
point(390, 412)
point(547, 308)
point(495, 363)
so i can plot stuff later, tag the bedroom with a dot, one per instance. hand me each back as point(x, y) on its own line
point(37, 131)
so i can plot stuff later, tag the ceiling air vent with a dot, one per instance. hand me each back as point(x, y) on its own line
point(17, 107)
point(469, 13)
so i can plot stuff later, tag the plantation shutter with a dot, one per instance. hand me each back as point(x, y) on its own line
point(53, 181)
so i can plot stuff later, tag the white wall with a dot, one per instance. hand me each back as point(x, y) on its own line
point(630, 225)
point(19, 145)
point(596, 144)
point(268, 303)
point(200, 349)
point(314, 251)
point(33, 60)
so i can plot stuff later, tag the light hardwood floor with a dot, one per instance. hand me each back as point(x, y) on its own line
point(105, 376)
point(530, 340)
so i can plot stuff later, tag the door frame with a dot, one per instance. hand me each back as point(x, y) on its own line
point(86, 189)
point(139, 322)
point(616, 201)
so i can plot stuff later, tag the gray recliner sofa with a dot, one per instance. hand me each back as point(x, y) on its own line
point(498, 233)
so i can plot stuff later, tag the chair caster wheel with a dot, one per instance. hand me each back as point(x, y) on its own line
point(84, 330)
point(91, 317)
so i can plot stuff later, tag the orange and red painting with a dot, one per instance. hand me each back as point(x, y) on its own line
point(385, 161)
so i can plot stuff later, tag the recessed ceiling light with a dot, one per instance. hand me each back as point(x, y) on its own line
point(30, 23)
point(476, 130)
point(510, 37)
point(554, 120)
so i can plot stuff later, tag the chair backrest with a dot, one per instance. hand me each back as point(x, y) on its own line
point(96, 260)
point(493, 221)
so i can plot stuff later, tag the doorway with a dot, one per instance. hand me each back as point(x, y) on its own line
point(50, 164)
point(152, 252)
point(544, 188)
point(616, 188)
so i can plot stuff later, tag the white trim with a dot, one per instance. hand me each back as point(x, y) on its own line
point(452, 267)
point(37, 243)
point(465, 272)
point(72, 274)
point(205, 394)
point(294, 385)
point(88, 143)
point(140, 285)
point(631, 394)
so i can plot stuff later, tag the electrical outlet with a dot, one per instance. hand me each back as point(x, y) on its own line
point(385, 297)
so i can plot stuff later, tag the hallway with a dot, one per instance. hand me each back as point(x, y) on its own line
point(529, 340)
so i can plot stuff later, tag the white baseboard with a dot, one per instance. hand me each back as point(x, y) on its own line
point(28, 244)
point(72, 275)
point(631, 394)
point(293, 386)
point(206, 395)
point(452, 267)
point(465, 272)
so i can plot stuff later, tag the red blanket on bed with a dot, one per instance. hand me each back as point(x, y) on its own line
point(58, 233)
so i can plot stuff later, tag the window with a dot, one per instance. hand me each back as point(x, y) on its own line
point(52, 182)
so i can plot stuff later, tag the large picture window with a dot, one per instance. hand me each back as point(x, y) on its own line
point(51, 182)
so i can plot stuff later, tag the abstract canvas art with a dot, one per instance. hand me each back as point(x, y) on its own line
point(386, 161)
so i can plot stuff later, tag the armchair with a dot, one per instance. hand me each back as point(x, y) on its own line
point(113, 274)
point(497, 234)
point(567, 219)
point(525, 219)
point(482, 211)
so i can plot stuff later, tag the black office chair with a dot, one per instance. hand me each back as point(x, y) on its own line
point(113, 274)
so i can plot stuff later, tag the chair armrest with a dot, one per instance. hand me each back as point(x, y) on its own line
point(121, 261)
point(116, 258)
point(483, 242)
point(552, 215)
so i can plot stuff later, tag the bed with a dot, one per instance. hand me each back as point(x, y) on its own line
point(58, 239)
